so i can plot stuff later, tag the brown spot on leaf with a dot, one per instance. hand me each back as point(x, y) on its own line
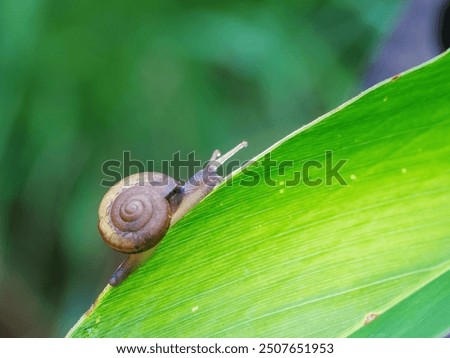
point(370, 317)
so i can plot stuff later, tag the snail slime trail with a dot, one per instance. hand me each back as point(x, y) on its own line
point(135, 214)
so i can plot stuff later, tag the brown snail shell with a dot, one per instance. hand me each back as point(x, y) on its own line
point(135, 213)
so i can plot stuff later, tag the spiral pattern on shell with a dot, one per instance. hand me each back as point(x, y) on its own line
point(136, 220)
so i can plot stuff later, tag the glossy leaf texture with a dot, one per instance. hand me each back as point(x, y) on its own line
point(423, 314)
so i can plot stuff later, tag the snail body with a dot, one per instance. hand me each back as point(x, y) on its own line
point(135, 213)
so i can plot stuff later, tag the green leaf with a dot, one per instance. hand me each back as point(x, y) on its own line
point(307, 261)
point(423, 314)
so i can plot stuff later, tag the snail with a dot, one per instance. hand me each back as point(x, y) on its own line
point(135, 213)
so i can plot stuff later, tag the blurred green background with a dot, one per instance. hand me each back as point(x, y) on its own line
point(80, 82)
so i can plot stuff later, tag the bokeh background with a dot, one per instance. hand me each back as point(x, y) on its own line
point(82, 81)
